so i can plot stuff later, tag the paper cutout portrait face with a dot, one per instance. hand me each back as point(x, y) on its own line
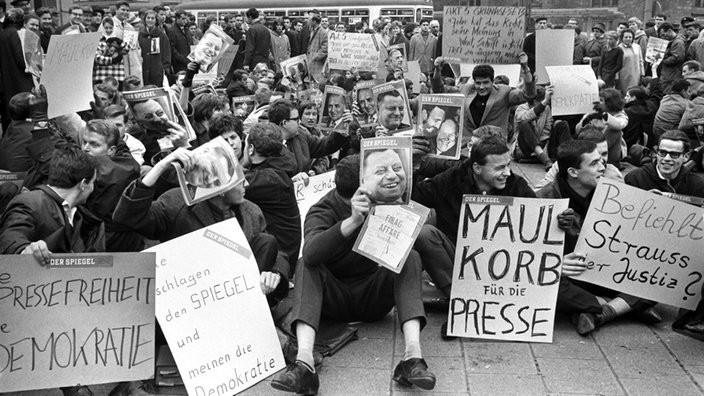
point(384, 176)
point(212, 168)
point(208, 49)
point(151, 115)
point(447, 136)
point(391, 109)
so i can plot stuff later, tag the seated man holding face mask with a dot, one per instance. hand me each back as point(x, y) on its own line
point(334, 282)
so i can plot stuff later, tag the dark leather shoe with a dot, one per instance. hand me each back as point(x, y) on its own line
point(586, 323)
point(77, 391)
point(414, 371)
point(648, 316)
point(297, 379)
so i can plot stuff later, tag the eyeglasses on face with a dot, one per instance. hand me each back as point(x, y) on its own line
point(672, 154)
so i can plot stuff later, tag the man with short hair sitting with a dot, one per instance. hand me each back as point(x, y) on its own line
point(581, 166)
point(334, 282)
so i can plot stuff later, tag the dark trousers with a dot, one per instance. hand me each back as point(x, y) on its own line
point(575, 296)
point(366, 298)
point(437, 253)
point(528, 138)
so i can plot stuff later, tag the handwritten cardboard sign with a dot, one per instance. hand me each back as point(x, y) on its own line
point(643, 244)
point(213, 312)
point(575, 89)
point(552, 48)
point(348, 50)
point(507, 268)
point(68, 72)
point(77, 322)
point(483, 35)
point(308, 195)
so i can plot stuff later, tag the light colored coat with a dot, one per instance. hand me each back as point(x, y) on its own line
point(632, 68)
point(317, 53)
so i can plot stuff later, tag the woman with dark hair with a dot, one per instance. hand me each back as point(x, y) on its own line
point(280, 46)
point(608, 115)
point(156, 51)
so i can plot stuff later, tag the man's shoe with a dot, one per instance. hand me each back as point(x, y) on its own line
point(297, 378)
point(586, 323)
point(648, 316)
point(80, 390)
point(414, 371)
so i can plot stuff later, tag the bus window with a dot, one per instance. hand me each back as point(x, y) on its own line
point(403, 15)
point(427, 13)
point(295, 14)
point(350, 16)
point(202, 16)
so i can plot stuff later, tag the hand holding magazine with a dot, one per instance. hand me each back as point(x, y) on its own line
point(212, 169)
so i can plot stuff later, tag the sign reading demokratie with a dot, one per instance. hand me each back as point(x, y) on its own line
point(507, 268)
point(482, 35)
point(213, 312)
point(643, 244)
point(575, 89)
point(87, 319)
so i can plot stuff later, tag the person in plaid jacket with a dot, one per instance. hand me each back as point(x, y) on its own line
point(108, 59)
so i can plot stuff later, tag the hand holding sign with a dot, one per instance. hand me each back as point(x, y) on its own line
point(40, 252)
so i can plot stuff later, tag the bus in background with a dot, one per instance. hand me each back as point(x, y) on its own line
point(348, 11)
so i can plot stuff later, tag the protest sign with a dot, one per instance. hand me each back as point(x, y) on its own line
point(172, 111)
point(228, 56)
point(296, 68)
point(309, 194)
point(16, 178)
point(643, 244)
point(87, 319)
point(655, 50)
point(414, 74)
point(391, 99)
point(513, 72)
point(334, 107)
point(243, 105)
point(33, 53)
point(507, 268)
point(398, 59)
point(68, 72)
point(441, 120)
point(214, 170)
point(483, 35)
point(553, 47)
point(575, 89)
point(213, 312)
point(386, 169)
point(389, 232)
point(210, 48)
point(348, 50)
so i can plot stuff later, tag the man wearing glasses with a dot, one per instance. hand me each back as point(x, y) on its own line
point(667, 174)
point(76, 20)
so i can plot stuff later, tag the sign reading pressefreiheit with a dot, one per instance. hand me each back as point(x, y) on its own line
point(508, 260)
point(84, 319)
